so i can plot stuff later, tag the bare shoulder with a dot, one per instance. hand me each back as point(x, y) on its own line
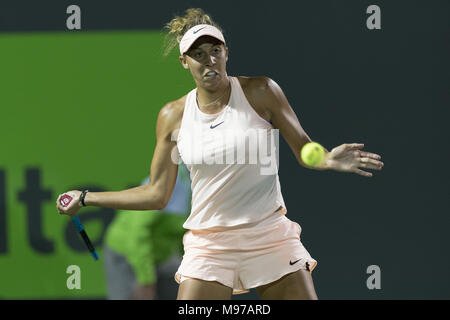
point(173, 110)
point(256, 90)
point(255, 85)
point(259, 89)
point(169, 118)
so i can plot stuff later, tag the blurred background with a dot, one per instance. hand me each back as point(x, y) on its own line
point(78, 110)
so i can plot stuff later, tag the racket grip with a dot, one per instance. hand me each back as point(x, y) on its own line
point(85, 237)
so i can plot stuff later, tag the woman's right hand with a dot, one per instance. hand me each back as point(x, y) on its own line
point(74, 205)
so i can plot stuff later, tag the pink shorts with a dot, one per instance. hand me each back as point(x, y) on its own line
point(245, 257)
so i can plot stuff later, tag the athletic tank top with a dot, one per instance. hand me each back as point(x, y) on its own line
point(232, 160)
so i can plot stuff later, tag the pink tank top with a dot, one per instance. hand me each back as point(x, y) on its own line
point(232, 159)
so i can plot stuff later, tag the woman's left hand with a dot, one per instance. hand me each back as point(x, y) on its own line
point(349, 158)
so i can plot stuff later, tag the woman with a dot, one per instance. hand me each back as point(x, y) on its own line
point(239, 237)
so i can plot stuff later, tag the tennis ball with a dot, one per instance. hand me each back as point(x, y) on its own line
point(312, 154)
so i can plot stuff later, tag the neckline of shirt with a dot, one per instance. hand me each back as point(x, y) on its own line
point(214, 115)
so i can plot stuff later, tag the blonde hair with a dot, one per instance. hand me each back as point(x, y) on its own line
point(178, 26)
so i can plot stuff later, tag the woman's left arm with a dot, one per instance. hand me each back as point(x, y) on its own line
point(347, 157)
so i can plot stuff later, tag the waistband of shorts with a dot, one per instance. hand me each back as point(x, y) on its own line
point(271, 219)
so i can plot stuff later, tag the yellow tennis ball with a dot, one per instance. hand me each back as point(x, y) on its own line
point(312, 154)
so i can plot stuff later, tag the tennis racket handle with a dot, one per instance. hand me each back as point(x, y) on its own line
point(65, 200)
point(85, 237)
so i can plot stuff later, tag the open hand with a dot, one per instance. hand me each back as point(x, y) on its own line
point(349, 158)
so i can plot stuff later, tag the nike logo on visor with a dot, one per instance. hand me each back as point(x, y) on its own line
point(212, 127)
point(195, 31)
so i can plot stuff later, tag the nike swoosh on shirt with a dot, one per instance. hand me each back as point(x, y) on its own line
point(292, 263)
point(195, 31)
point(212, 127)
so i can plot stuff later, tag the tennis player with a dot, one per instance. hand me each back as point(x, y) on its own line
point(238, 234)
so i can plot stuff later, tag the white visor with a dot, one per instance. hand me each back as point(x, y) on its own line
point(196, 32)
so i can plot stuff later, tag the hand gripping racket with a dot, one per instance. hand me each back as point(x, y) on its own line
point(65, 200)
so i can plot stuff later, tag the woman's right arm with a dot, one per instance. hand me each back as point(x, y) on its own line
point(152, 196)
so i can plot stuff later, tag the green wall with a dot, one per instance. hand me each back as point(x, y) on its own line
point(77, 110)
